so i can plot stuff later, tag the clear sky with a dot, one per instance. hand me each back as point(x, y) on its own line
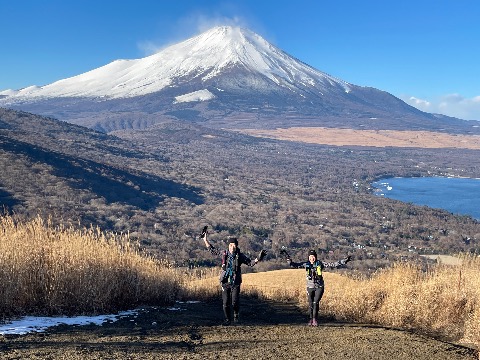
point(426, 52)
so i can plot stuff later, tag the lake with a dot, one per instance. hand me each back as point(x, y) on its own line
point(456, 195)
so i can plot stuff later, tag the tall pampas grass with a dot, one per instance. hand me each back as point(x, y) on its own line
point(443, 300)
point(46, 269)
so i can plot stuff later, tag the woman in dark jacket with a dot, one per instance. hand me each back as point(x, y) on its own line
point(315, 284)
point(231, 275)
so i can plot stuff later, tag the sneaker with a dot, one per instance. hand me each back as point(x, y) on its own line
point(226, 322)
point(236, 319)
point(314, 322)
point(310, 322)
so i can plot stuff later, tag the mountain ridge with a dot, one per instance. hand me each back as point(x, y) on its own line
point(225, 78)
point(203, 56)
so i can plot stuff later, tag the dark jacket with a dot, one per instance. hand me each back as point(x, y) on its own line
point(231, 274)
point(314, 271)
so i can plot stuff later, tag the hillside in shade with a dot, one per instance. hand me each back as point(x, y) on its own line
point(163, 184)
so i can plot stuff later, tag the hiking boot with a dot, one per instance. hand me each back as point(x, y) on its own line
point(314, 322)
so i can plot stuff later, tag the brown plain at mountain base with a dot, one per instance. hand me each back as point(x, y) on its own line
point(373, 138)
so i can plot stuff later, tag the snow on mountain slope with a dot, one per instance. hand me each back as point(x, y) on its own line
point(200, 95)
point(227, 77)
point(199, 58)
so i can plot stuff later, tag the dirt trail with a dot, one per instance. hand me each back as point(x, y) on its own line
point(267, 331)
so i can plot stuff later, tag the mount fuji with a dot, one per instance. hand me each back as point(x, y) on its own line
point(226, 77)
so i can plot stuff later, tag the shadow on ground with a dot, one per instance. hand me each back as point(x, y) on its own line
point(268, 330)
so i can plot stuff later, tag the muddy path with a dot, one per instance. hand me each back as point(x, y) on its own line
point(193, 331)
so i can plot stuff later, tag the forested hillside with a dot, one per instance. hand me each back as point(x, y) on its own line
point(165, 183)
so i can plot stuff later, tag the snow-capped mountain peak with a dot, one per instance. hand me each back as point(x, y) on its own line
point(202, 57)
point(226, 77)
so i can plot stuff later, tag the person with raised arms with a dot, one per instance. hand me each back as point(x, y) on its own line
point(231, 274)
point(315, 283)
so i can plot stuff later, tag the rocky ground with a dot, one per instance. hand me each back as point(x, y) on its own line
point(194, 331)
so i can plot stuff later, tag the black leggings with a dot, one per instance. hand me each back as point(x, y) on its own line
point(231, 298)
point(314, 297)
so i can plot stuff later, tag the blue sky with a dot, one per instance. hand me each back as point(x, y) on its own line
point(425, 52)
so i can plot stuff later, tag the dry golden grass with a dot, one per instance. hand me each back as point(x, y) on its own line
point(445, 259)
point(376, 138)
point(445, 300)
point(55, 270)
point(199, 284)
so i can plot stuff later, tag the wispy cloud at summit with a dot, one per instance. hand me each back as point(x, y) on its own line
point(197, 22)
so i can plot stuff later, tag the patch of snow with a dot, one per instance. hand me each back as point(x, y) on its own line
point(200, 95)
point(29, 324)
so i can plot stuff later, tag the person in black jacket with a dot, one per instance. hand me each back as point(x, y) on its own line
point(231, 275)
point(315, 283)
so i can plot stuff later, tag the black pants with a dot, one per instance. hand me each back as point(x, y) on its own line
point(314, 297)
point(231, 299)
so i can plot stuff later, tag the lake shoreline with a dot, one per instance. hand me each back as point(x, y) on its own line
point(458, 195)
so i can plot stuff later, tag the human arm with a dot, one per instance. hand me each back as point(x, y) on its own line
point(246, 260)
point(297, 265)
point(209, 246)
point(338, 263)
point(284, 254)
